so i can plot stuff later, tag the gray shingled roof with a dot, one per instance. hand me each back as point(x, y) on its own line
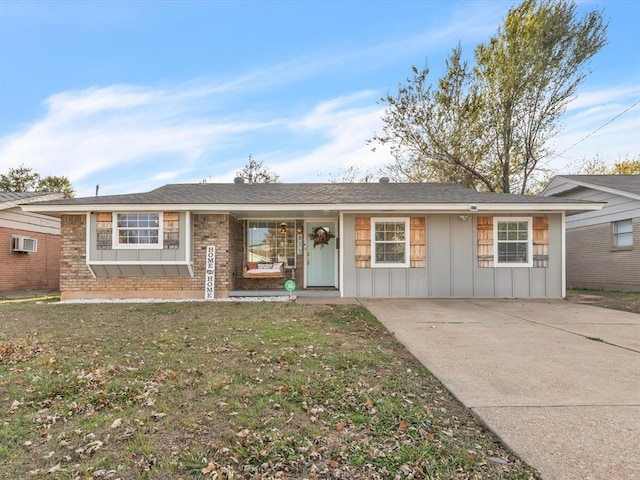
point(625, 183)
point(308, 194)
point(14, 196)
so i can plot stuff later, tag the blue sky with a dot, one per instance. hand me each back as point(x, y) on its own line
point(132, 95)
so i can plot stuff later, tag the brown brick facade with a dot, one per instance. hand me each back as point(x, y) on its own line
point(38, 270)
point(592, 262)
point(221, 230)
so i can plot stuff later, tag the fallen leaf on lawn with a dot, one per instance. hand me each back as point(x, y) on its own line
point(54, 469)
point(403, 425)
point(368, 404)
point(244, 433)
point(158, 415)
point(209, 468)
point(116, 423)
point(340, 427)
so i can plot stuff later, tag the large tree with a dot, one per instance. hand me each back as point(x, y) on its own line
point(25, 179)
point(353, 174)
point(597, 166)
point(488, 126)
point(256, 172)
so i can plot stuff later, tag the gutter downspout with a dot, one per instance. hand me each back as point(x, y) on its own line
point(564, 254)
point(341, 255)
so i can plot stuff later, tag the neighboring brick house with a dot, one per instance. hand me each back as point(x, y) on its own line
point(354, 240)
point(603, 247)
point(29, 244)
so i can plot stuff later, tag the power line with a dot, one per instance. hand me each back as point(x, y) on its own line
point(596, 130)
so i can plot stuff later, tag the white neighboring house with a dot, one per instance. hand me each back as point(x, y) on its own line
point(29, 244)
point(603, 246)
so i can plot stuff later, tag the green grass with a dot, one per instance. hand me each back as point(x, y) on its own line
point(626, 301)
point(226, 391)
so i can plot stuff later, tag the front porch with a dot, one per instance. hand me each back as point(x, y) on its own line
point(312, 292)
point(291, 243)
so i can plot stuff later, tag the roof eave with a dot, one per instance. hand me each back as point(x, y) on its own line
point(577, 207)
point(581, 183)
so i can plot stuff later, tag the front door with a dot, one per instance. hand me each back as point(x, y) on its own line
point(321, 258)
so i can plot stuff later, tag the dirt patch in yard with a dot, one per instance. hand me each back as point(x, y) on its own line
point(625, 301)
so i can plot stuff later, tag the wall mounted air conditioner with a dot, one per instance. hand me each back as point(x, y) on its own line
point(23, 244)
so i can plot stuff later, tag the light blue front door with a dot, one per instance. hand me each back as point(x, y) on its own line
point(321, 259)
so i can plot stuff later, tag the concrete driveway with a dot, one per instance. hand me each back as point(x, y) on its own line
point(558, 382)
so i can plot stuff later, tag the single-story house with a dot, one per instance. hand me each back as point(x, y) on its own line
point(603, 246)
point(29, 244)
point(352, 239)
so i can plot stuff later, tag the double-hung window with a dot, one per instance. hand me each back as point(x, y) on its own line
point(137, 230)
point(390, 242)
point(513, 242)
point(623, 233)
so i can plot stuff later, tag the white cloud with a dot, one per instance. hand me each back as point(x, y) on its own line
point(344, 124)
point(599, 123)
point(604, 96)
point(87, 131)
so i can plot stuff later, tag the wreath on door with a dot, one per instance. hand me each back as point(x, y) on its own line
point(321, 236)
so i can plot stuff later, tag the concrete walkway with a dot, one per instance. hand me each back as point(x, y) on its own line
point(558, 382)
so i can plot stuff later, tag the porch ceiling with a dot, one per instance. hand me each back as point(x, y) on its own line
point(292, 214)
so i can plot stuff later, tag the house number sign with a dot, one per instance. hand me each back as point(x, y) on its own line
point(210, 273)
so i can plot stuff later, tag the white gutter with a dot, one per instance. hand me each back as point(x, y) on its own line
point(346, 207)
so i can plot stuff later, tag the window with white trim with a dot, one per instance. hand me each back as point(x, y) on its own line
point(390, 242)
point(513, 245)
point(137, 230)
point(271, 241)
point(623, 233)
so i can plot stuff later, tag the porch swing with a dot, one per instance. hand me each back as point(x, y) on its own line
point(263, 270)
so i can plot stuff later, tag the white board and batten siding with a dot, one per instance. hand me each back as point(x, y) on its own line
point(16, 219)
point(451, 269)
point(619, 206)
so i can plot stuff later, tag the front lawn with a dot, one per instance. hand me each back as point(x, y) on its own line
point(226, 391)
